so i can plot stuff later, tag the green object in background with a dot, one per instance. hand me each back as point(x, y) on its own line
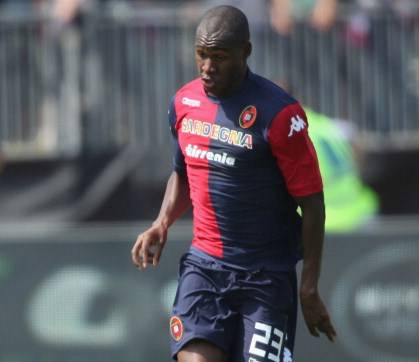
point(349, 203)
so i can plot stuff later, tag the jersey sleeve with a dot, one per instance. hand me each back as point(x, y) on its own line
point(294, 152)
point(178, 157)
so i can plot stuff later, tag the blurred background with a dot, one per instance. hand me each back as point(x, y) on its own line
point(85, 152)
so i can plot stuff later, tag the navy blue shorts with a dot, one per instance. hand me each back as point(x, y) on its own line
point(250, 315)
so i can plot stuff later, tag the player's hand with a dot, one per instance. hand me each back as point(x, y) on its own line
point(149, 246)
point(316, 316)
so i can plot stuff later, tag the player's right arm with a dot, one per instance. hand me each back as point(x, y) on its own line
point(149, 244)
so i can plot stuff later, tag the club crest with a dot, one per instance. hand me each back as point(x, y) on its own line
point(248, 117)
point(176, 328)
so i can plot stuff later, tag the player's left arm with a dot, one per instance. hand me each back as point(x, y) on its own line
point(315, 313)
point(296, 158)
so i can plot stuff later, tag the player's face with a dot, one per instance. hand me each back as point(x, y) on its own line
point(221, 68)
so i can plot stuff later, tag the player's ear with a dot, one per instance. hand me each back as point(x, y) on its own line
point(248, 49)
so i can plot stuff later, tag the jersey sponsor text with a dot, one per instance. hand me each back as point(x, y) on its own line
point(223, 158)
point(217, 132)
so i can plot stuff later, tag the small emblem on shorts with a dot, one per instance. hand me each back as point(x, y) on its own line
point(176, 328)
point(248, 117)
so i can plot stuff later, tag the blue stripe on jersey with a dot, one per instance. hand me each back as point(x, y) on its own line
point(178, 158)
point(255, 214)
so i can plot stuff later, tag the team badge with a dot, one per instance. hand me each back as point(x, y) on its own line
point(176, 328)
point(248, 117)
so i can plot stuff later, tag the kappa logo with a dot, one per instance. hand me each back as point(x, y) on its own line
point(297, 125)
point(248, 117)
point(191, 102)
point(176, 328)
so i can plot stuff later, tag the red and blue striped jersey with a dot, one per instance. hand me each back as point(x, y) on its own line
point(245, 157)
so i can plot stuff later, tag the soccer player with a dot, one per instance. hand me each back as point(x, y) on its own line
point(244, 161)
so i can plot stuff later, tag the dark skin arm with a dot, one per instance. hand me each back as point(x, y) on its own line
point(149, 244)
point(315, 313)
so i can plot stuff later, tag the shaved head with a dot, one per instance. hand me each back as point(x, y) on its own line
point(222, 47)
point(223, 26)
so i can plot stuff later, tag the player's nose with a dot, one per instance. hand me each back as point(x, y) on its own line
point(207, 66)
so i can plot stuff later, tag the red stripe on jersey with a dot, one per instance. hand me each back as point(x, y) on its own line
point(194, 147)
point(295, 154)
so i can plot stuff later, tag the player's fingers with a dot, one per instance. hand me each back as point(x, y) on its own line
point(328, 332)
point(158, 252)
point(313, 330)
point(331, 336)
point(141, 261)
point(135, 255)
point(156, 257)
point(149, 260)
point(146, 257)
point(327, 328)
point(331, 333)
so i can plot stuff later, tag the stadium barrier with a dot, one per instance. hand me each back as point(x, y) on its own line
point(107, 81)
point(71, 294)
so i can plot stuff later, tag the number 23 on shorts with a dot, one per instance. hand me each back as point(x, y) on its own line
point(266, 343)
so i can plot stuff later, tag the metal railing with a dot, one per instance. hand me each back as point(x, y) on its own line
point(106, 82)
